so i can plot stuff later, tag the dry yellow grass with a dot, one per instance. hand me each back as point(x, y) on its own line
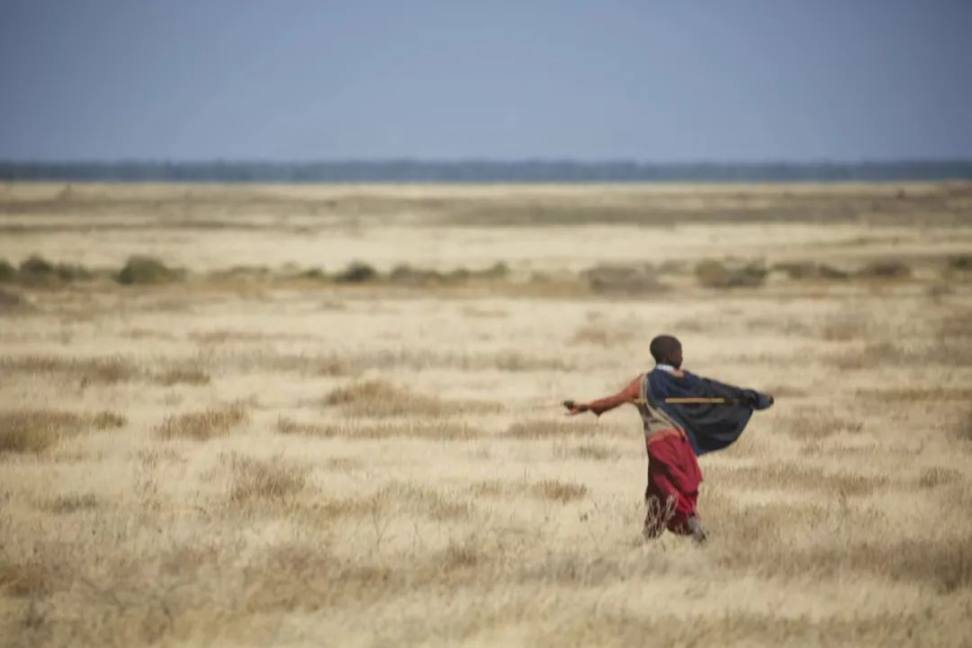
point(263, 479)
point(206, 424)
point(558, 427)
point(378, 398)
point(558, 491)
point(98, 370)
point(250, 457)
point(26, 430)
point(71, 503)
point(183, 376)
point(443, 430)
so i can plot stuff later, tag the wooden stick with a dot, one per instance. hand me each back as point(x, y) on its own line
point(678, 400)
point(692, 400)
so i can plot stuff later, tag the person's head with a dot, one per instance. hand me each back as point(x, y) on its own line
point(666, 349)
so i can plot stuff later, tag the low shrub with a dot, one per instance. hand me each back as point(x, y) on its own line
point(72, 272)
point(409, 276)
point(203, 425)
point(961, 262)
point(357, 272)
point(7, 272)
point(36, 271)
point(717, 274)
point(35, 430)
point(317, 274)
point(810, 270)
point(263, 479)
point(182, 376)
point(622, 279)
point(378, 398)
point(886, 269)
point(145, 270)
point(36, 265)
point(107, 420)
point(558, 491)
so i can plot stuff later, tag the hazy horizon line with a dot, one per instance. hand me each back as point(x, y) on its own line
point(482, 170)
point(472, 159)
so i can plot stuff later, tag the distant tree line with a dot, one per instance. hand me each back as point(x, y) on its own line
point(482, 171)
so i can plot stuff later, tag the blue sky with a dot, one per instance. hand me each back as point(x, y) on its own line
point(652, 81)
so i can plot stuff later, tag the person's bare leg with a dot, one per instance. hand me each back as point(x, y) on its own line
point(694, 525)
point(657, 516)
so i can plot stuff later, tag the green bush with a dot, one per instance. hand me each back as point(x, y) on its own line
point(7, 271)
point(961, 262)
point(357, 272)
point(37, 271)
point(36, 266)
point(145, 270)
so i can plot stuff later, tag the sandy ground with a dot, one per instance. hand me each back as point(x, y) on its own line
point(313, 463)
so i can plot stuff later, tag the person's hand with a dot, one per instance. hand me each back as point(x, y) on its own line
point(760, 401)
point(574, 408)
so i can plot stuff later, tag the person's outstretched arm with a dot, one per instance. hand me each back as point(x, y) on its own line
point(630, 393)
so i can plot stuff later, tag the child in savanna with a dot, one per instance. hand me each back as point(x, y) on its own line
point(676, 432)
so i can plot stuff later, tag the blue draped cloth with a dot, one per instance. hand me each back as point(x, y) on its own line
point(709, 427)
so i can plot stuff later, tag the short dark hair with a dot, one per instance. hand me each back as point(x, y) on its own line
point(663, 346)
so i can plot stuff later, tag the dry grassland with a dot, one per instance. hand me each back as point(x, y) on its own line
point(329, 415)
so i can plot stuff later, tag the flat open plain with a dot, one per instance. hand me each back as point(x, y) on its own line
point(329, 415)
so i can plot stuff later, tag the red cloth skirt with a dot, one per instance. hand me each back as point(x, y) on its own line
point(673, 482)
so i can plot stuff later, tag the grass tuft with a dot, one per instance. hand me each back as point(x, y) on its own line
point(207, 424)
point(846, 327)
point(555, 428)
point(963, 429)
point(587, 451)
point(887, 269)
point(810, 270)
point(256, 480)
point(717, 274)
point(558, 491)
point(108, 420)
point(33, 430)
point(623, 279)
point(182, 376)
point(24, 580)
point(460, 556)
point(937, 476)
point(378, 398)
point(814, 426)
point(106, 370)
point(433, 430)
point(72, 503)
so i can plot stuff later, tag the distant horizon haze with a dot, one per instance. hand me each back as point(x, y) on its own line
point(482, 171)
point(303, 81)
